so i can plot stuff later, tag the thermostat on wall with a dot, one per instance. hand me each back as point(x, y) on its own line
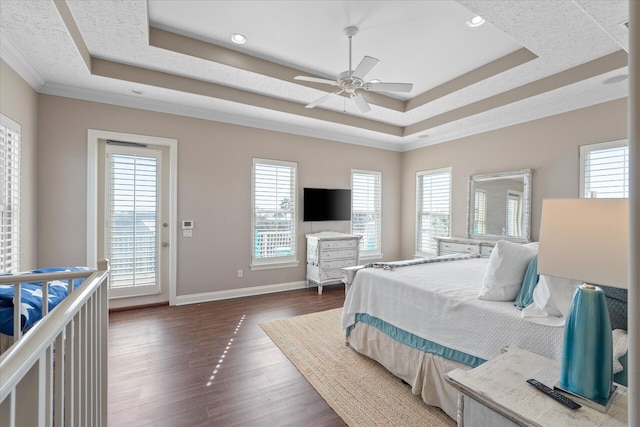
point(187, 225)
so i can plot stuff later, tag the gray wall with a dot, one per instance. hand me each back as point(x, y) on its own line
point(214, 182)
point(549, 146)
point(19, 102)
point(215, 172)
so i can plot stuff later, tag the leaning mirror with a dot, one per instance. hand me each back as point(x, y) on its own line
point(499, 206)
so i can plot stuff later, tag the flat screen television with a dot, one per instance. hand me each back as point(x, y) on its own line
point(325, 204)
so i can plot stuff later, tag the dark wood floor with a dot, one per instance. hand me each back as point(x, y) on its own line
point(210, 364)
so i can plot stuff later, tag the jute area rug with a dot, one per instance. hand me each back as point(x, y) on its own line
point(361, 391)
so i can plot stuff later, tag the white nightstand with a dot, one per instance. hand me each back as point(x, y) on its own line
point(496, 394)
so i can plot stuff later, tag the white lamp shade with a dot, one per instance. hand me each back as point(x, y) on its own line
point(586, 240)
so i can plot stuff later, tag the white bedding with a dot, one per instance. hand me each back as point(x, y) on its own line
point(439, 302)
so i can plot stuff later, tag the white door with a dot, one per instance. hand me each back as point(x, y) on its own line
point(152, 248)
point(134, 231)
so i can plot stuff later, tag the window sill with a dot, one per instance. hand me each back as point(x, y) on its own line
point(274, 265)
point(370, 257)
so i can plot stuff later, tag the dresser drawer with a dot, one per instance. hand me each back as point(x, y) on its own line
point(449, 248)
point(339, 263)
point(334, 274)
point(338, 253)
point(338, 244)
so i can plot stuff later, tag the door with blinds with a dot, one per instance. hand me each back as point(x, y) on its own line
point(133, 227)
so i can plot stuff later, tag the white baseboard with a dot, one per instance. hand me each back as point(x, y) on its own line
point(237, 293)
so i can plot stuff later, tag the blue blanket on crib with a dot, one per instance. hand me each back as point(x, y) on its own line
point(31, 298)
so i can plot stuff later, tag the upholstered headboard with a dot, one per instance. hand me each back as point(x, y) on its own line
point(617, 303)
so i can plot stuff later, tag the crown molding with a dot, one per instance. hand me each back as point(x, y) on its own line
point(12, 56)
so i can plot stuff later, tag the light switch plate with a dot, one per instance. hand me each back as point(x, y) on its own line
point(187, 233)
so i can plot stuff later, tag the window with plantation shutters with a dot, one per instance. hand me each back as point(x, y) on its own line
point(274, 213)
point(433, 203)
point(10, 139)
point(604, 170)
point(514, 213)
point(480, 212)
point(366, 215)
point(132, 225)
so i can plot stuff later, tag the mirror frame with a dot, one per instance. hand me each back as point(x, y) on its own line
point(526, 175)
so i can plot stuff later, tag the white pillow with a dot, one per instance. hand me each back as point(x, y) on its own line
point(557, 295)
point(532, 245)
point(620, 348)
point(505, 271)
point(551, 300)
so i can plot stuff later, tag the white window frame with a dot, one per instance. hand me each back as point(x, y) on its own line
point(276, 261)
point(376, 210)
point(10, 200)
point(585, 150)
point(419, 209)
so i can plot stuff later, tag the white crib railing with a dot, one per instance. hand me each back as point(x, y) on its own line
point(56, 374)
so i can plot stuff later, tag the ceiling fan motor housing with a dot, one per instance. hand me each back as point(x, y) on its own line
point(347, 83)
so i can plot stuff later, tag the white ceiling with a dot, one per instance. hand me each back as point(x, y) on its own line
point(570, 49)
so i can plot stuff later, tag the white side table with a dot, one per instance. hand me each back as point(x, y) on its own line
point(496, 394)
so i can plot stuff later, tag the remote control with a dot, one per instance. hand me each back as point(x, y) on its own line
point(554, 394)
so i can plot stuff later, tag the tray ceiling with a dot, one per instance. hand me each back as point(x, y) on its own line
point(529, 60)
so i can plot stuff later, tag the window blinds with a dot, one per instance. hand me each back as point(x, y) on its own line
point(480, 213)
point(433, 209)
point(10, 141)
point(133, 221)
point(366, 215)
point(514, 202)
point(274, 210)
point(604, 170)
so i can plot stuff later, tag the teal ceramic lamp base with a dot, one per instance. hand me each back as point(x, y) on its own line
point(586, 369)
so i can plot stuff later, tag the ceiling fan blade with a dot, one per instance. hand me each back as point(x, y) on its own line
point(361, 103)
point(316, 80)
point(366, 65)
point(388, 87)
point(322, 99)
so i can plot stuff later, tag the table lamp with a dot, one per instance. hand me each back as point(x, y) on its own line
point(586, 240)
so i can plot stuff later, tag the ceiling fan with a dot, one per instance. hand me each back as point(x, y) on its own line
point(352, 82)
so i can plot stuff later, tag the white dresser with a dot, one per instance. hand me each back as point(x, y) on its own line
point(327, 253)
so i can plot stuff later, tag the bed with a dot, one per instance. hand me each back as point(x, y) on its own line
point(422, 318)
point(31, 298)
point(31, 302)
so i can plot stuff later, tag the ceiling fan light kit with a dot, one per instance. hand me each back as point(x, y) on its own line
point(352, 81)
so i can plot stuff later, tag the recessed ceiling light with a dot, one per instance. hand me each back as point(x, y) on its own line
point(375, 81)
point(424, 135)
point(238, 38)
point(476, 21)
point(137, 91)
point(615, 79)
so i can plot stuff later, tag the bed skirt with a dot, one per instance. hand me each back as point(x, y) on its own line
point(424, 372)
